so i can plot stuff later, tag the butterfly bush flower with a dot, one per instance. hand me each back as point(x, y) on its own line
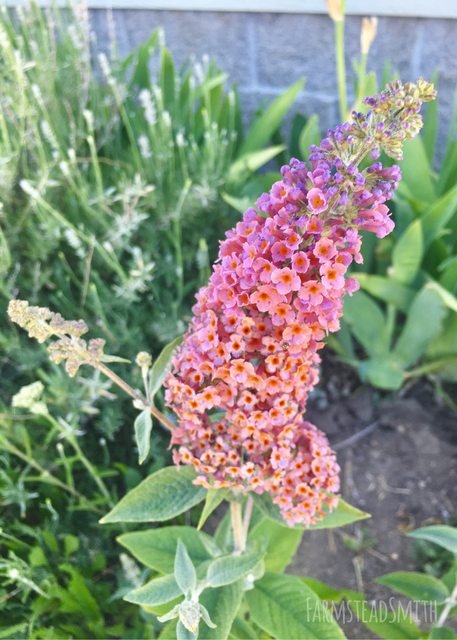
point(241, 378)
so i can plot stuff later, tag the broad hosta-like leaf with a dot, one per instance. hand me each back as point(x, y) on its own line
point(414, 585)
point(157, 548)
point(286, 608)
point(163, 495)
point(387, 290)
point(423, 324)
point(368, 323)
point(440, 534)
point(407, 253)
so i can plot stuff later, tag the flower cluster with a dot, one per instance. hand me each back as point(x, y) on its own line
point(241, 378)
point(42, 323)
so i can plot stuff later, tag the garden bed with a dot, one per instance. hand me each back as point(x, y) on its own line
point(403, 472)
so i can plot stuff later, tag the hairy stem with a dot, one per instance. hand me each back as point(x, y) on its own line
point(135, 395)
point(239, 540)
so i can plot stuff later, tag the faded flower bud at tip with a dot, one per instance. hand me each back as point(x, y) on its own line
point(143, 360)
point(368, 34)
point(335, 10)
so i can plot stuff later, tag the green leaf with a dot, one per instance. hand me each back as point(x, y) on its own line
point(266, 123)
point(367, 323)
point(162, 496)
point(143, 427)
point(387, 290)
point(416, 586)
point(310, 134)
point(417, 171)
point(423, 324)
point(161, 367)
point(448, 277)
point(286, 608)
point(446, 296)
point(157, 548)
point(250, 162)
point(230, 568)
point(407, 253)
point(282, 543)
point(222, 605)
point(167, 79)
point(239, 204)
point(184, 570)
point(394, 625)
point(155, 592)
point(383, 373)
point(331, 594)
point(440, 534)
point(341, 516)
point(438, 215)
point(5, 255)
point(442, 633)
point(213, 499)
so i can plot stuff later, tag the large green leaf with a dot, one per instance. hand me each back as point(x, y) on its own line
point(230, 568)
point(214, 497)
point(268, 121)
point(156, 548)
point(288, 609)
point(423, 324)
point(163, 495)
point(282, 542)
point(222, 605)
point(343, 514)
point(387, 290)
point(310, 134)
point(394, 625)
point(367, 323)
point(383, 373)
point(155, 592)
point(249, 162)
point(328, 593)
point(161, 367)
point(417, 171)
point(416, 586)
point(440, 534)
point(438, 215)
point(407, 253)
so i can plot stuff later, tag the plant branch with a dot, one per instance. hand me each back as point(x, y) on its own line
point(450, 604)
point(135, 395)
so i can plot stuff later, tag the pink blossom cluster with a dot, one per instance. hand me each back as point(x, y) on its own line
point(241, 378)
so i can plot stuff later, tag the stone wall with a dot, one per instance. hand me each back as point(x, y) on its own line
point(264, 52)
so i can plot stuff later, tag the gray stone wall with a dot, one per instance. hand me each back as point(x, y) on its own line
point(263, 53)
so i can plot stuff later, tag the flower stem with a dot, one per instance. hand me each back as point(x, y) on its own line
point(239, 540)
point(135, 395)
point(340, 62)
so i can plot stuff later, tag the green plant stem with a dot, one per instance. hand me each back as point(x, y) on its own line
point(239, 541)
point(135, 395)
point(450, 604)
point(341, 63)
point(47, 476)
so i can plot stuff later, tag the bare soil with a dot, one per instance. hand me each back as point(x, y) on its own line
point(402, 470)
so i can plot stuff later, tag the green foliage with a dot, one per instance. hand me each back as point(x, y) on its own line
point(162, 496)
